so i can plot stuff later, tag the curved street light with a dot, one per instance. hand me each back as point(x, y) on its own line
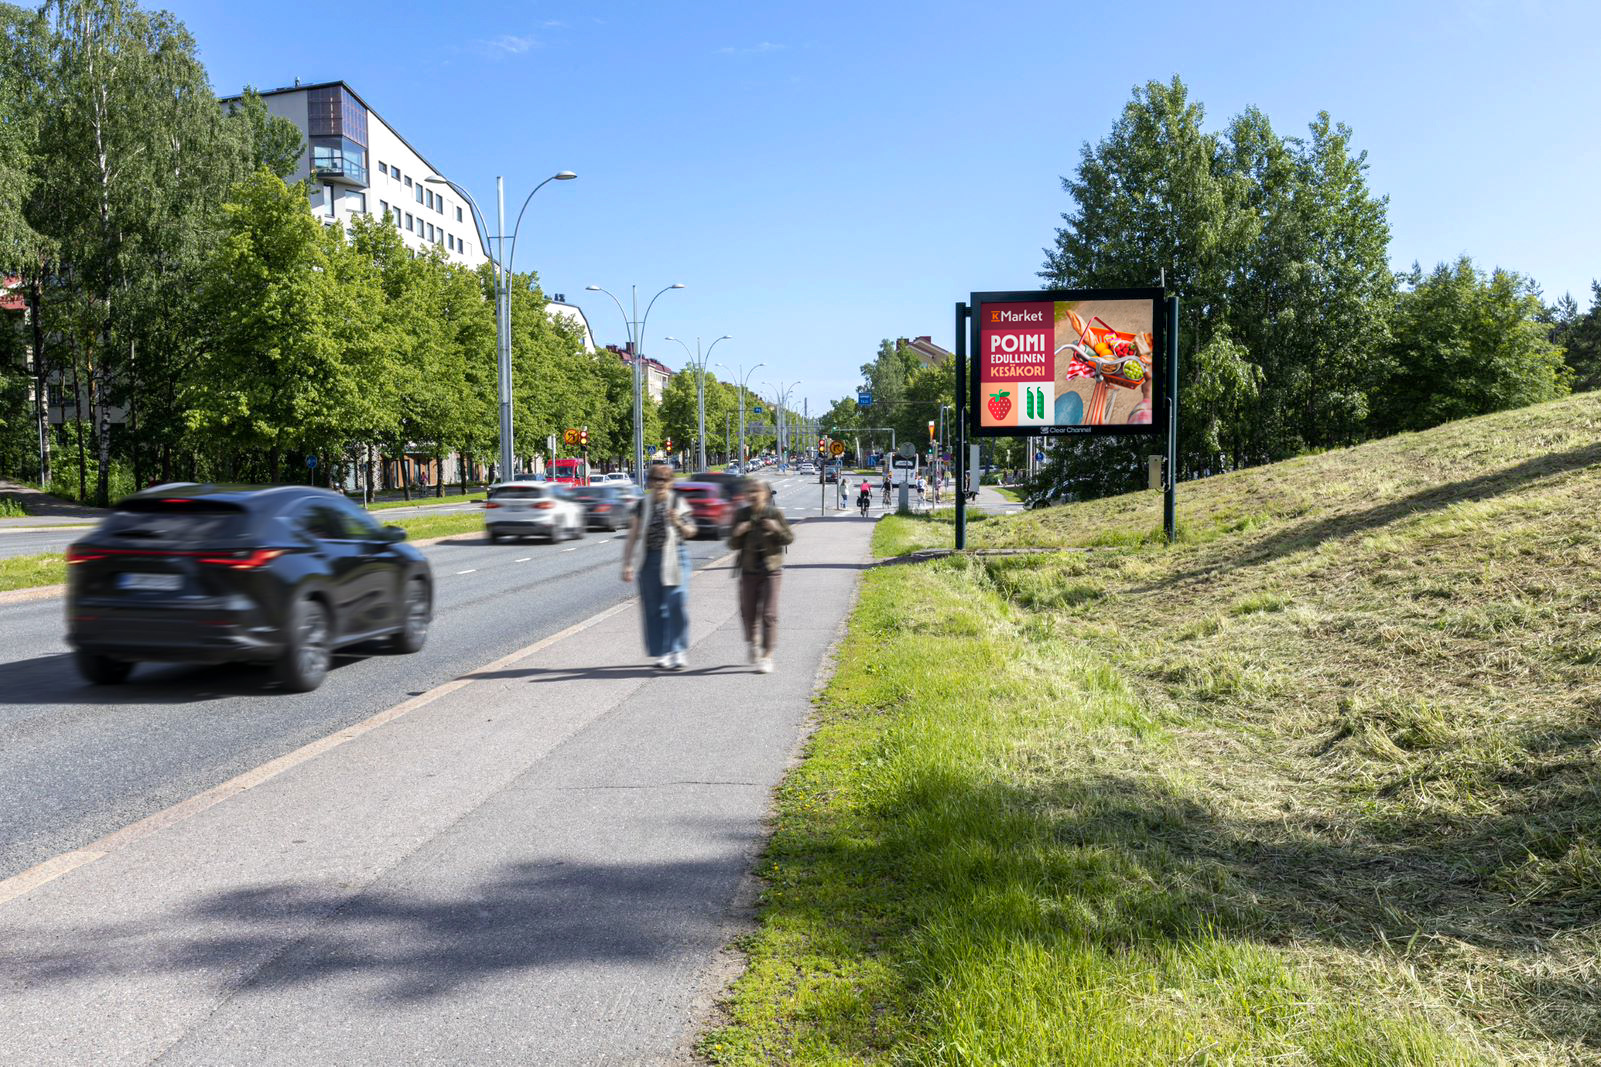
point(636, 334)
point(698, 361)
point(502, 266)
point(781, 393)
point(743, 378)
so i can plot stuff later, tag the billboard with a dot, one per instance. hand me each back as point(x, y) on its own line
point(1066, 361)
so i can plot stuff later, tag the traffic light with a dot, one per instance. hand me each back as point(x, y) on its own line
point(583, 438)
point(669, 444)
point(931, 431)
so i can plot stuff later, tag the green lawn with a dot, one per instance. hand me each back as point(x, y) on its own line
point(428, 501)
point(25, 572)
point(1316, 785)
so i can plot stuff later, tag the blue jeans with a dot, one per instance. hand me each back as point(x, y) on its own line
point(665, 607)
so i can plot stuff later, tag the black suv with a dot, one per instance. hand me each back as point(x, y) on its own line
point(206, 573)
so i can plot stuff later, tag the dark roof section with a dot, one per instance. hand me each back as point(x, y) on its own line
point(345, 86)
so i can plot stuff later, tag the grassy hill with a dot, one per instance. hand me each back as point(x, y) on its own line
point(1319, 784)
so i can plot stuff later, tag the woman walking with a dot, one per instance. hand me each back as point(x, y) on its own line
point(661, 525)
point(760, 536)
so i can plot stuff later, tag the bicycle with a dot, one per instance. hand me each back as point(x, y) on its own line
point(865, 501)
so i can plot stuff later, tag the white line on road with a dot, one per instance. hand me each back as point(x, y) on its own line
point(573, 549)
point(469, 570)
point(525, 559)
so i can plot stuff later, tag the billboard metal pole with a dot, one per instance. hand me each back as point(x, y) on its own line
point(961, 426)
point(1169, 521)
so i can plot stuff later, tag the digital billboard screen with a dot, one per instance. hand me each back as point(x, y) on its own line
point(1066, 361)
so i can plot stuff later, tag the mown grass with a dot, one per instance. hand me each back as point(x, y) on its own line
point(1318, 784)
point(25, 572)
point(11, 508)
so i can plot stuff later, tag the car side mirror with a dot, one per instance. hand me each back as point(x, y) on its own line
point(391, 534)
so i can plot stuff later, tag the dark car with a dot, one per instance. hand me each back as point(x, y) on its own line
point(606, 507)
point(204, 573)
point(712, 509)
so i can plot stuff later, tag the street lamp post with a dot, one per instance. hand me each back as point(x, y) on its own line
point(781, 397)
point(698, 361)
point(743, 378)
point(636, 335)
point(503, 266)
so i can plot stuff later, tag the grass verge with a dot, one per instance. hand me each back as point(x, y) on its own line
point(26, 572)
point(1316, 785)
point(426, 502)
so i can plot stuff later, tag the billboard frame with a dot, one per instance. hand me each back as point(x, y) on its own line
point(1159, 358)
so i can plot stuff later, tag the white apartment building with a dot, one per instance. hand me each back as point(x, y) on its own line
point(357, 164)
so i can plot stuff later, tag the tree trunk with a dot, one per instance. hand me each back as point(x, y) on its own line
point(77, 424)
point(405, 477)
point(272, 466)
point(439, 474)
point(166, 461)
point(41, 379)
point(464, 461)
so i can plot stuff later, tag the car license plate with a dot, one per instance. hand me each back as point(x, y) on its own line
point(160, 583)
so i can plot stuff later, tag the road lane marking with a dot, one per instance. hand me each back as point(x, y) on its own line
point(573, 549)
point(469, 570)
point(525, 559)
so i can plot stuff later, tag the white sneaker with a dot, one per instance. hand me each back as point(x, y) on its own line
point(663, 662)
point(765, 665)
point(753, 654)
point(677, 661)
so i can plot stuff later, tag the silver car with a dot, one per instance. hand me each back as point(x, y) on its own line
point(532, 509)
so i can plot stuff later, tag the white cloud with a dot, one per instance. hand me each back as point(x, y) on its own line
point(509, 44)
point(751, 50)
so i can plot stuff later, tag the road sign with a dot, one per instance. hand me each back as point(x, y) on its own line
point(311, 463)
point(904, 463)
point(838, 449)
point(1039, 457)
point(906, 450)
point(757, 409)
point(864, 399)
point(570, 437)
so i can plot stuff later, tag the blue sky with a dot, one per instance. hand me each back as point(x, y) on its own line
point(827, 174)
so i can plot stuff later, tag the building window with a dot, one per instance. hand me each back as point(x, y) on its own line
point(328, 200)
point(439, 204)
point(430, 232)
point(383, 168)
point(458, 214)
point(357, 201)
point(408, 183)
point(339, 157)
point(394, 216)
point(383, 205)
point(408, 222)
point(419, 194)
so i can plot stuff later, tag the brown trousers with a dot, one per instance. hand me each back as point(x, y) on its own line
point(758, 599)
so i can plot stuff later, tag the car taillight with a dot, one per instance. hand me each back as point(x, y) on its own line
point(76, 555)
point(602, 507)
point(245, 561)
point(543, 504)
point(491, 504)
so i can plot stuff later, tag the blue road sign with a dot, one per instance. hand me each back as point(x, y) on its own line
point(311, 463)
point(1039, 457)
point(757, 409)
point(864, 399)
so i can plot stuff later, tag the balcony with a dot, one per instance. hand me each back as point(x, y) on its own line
point(340, 160)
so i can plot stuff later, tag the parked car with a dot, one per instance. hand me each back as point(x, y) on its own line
point(606, 507)
point(282, 575)
point(532, 509)
point(711, 506)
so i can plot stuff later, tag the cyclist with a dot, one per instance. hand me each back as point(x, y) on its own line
point(887, 483)
point(864, 499)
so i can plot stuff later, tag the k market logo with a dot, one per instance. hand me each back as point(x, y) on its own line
point(1005, 317)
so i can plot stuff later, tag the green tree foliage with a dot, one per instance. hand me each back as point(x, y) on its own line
point(1465, 344)
point(1579, 335)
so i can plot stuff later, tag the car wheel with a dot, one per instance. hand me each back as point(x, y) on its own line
point(494, 538)
point(413, 632)
point(581, 529)
point(304, 662)
point(102, 670)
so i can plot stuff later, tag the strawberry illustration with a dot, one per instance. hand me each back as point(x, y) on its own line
point(1000, 403)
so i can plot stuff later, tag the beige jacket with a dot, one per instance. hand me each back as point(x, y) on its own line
point(636, 537)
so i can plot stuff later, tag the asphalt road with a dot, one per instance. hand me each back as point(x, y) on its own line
point(77, 761)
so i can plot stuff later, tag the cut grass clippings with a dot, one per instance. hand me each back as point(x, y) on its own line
point(1316, 785)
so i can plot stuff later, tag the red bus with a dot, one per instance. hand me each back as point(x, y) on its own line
point(574, 472)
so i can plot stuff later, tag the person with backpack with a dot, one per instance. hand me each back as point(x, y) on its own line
point(761, 535)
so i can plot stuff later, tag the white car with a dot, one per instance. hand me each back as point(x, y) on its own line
point(532, 509)
point(806, 468)
point(613, 478)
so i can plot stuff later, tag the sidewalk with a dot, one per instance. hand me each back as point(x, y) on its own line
point(536, 864)
point(44, 509)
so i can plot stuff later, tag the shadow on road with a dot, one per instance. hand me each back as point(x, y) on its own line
point(534, 914)
point(50, 681)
